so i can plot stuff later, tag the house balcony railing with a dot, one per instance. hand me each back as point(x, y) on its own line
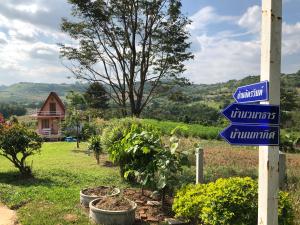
point(49, 133)
point(49, 113)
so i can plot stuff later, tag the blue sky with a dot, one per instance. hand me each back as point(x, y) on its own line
point(225, 38)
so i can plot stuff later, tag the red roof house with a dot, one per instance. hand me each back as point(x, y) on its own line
point(50, 116)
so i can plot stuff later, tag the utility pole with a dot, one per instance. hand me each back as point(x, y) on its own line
point(270, 71)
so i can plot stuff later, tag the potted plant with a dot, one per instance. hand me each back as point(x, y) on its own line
point(89, 194)
point(113, 210)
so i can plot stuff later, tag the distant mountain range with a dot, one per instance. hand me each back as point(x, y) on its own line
point(212, 94)
point(30, 93)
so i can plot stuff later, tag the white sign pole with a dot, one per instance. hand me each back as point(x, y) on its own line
point(270, 70)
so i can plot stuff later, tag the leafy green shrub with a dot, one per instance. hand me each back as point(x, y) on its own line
point(115, 131)
point(95, 146)
point(285, 209)
point(142, 158)
point(131, 144)
point(89, 129)
point(162, 172)
point(226, 201)
point(17, 143)
point(189, 202)
point(289, 142)
point(137, 149)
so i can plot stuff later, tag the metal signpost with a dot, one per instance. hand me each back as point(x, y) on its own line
point(259, 124)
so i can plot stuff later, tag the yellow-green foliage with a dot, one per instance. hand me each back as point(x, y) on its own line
point(226, 202)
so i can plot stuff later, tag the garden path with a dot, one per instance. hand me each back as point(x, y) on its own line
point(7, 216)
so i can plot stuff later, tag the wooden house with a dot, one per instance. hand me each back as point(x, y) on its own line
point(50, 116)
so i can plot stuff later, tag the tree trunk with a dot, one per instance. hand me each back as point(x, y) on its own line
point(98, 158)
point(77, 138)
point(136, 113)
point(24, 170)
point(163, 198)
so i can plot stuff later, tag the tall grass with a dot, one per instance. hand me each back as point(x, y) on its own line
point(185, 130)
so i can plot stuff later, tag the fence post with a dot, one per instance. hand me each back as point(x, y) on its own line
point(282, 170)
point(199, 166)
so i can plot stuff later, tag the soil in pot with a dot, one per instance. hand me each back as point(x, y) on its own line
point(114, 204)
point(89, 194)
point(99, 191)
point(113, 210)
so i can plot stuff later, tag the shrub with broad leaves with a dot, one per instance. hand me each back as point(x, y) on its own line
point(17, 143)
point(226, 201)
point(142, 157)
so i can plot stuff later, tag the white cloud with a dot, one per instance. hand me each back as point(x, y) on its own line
point(28, 36)
point(28, 8)
point(223, 59)
point(291, 37)
point(38, 62)
point(206, 16)
point(251, 19)
point(29, 33)
point(225, 55)
point(3, 38)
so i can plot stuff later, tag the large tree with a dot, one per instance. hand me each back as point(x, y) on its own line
point(96, 96)
point(131, 45)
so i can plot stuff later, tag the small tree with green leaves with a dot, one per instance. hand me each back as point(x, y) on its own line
point(75, 117)
point(75, 120)
point(16, 144)
point(162, 172)
point(95, 146)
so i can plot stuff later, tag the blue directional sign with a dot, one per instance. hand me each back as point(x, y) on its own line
point(251, 135)
point(253, 114)
point(252, 93)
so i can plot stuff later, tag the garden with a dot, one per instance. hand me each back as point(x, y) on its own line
point(133, 166)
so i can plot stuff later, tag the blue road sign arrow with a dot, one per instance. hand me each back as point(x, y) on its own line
point(254, 114)
point(251, 135)
point(252, 93)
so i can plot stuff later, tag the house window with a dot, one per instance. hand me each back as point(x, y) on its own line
point(45, 124)
point(53, 107)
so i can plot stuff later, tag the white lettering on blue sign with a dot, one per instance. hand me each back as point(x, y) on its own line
point(236, 113)
point(250, 94)
point(252, 113)
point(237, 134)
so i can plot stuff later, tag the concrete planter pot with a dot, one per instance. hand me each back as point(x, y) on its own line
point(108, 217)
point(86, 199)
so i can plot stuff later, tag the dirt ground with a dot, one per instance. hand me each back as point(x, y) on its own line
point(147, 208)
point(7, 216)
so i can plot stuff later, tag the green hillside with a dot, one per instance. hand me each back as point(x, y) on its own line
point(203, 103)
point(31, 93)
point(196, 103)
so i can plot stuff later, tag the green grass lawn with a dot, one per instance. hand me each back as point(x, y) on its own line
point(60, 173)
